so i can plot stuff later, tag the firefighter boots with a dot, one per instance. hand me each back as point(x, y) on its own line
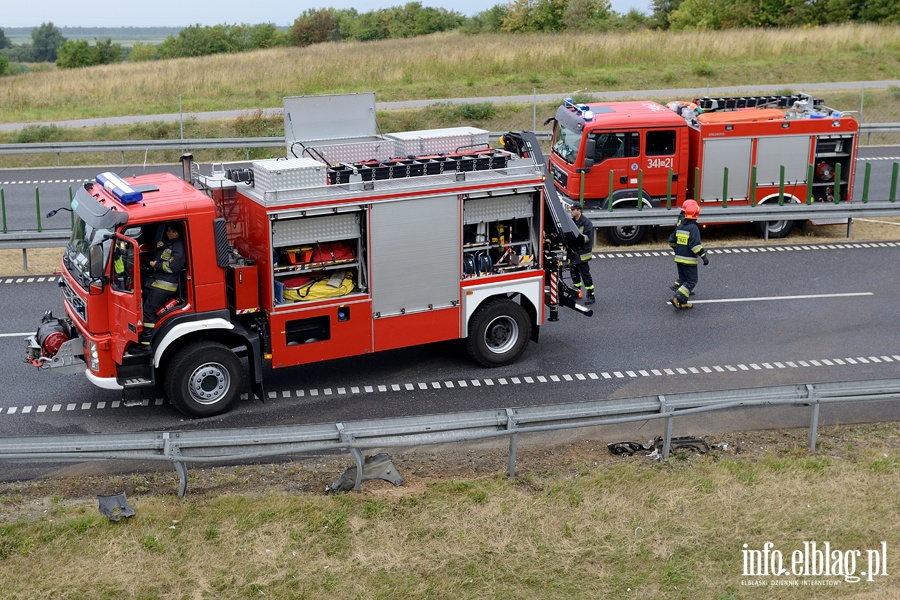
point(590, 297)
point(679, 304)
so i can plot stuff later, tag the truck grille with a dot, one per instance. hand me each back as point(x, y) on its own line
point(74, 300)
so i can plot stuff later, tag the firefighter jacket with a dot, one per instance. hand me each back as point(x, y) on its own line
point(169, 263)
point(584, 248)
point(685, 240)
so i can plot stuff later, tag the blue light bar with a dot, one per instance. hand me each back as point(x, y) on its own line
point(117, 186)
point(582, 110)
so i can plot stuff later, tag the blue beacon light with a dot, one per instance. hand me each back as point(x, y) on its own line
point(117, 186)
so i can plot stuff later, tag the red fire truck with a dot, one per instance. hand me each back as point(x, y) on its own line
point(620, 154)
point(355, 243)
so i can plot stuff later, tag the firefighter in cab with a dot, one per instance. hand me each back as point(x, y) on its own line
point(580, 269)
point(166, 266)
point(685, 240)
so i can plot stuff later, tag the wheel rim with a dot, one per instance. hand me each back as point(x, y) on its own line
point(501, 335)
point(776, 226)
point(627, 232)
point(209, 383)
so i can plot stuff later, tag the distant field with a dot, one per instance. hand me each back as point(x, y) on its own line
point(126, 36)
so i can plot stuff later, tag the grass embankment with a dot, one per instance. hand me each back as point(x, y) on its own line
point(453, 65)
point(576, 522)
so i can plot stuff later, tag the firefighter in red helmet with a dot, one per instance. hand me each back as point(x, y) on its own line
point(685, 240)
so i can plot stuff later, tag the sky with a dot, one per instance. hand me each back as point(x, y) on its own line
point(178, 13)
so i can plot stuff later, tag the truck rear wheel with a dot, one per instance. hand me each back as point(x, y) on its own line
point(498, 333)
point(204, 379)
point(777, 229)
point(626, 235)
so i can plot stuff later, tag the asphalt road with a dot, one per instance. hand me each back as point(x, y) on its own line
point(763, 316)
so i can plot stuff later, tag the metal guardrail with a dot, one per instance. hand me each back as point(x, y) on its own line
point(227, 445)
point(769, 211)
point(250, 142)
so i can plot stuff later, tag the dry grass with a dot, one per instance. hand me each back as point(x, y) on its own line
point(452, 65)
point(576, 522)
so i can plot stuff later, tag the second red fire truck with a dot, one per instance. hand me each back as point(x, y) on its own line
point(742, 149)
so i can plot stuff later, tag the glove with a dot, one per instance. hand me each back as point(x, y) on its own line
point(705, 261)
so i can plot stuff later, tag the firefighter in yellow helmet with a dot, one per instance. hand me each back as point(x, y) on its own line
point(685, 240)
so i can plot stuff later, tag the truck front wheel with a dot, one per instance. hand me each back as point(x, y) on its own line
point(204, 379)
point(498, 333)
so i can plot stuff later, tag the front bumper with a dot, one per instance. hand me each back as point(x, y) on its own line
point(69, 359)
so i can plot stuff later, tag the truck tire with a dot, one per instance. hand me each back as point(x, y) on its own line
point(499, 331)
point(204, 379)
point(777, 229)
point(626, 235)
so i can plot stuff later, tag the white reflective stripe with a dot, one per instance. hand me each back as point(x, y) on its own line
point(183, 329)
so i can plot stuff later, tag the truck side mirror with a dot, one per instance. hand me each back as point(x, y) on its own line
point(590, 151)
point(96, 269)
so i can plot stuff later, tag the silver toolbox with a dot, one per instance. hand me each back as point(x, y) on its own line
point(439, 141)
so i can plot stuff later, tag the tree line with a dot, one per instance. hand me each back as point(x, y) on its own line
point(315, 26)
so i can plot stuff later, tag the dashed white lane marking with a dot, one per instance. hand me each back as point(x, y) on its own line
point(43, 181)
point(41, 279)
point(766, 298)
point(752, 249)
point(564, 378)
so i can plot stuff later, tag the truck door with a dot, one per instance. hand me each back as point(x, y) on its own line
point(125, 293)
point(616, 156)
point(661, 154)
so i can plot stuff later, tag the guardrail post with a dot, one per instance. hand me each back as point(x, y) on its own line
point(809, 184)
point(725, 187)
point(37, 206)
point(667, 439)
point(893, 194)
point(348, 439)
point(173, 452)
point(753, 186)
point(3, 202)
point(868, 174)
point(814, 418)
point(640, 195)
point(781, 186)
point(511, 425)
point(609, 203)
point(71, 212)
point(697, 184)
point(837, 182)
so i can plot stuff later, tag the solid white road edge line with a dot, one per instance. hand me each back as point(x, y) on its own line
point(763, 298)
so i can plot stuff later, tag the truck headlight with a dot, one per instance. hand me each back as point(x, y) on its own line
point(95, 358)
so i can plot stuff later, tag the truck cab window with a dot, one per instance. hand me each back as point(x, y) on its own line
point(566, 143)
point(660, 143)
point(616, 144)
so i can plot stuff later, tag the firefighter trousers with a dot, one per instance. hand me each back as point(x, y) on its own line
point(582, 272)
point(687, 279)
point(154, 298)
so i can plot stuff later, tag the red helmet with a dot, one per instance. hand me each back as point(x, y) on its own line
point(691, 209)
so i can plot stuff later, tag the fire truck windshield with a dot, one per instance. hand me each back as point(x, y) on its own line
point(94, 224)
point(566, 143)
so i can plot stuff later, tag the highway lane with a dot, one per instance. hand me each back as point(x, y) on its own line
point(765, 316)
point(55, 184)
